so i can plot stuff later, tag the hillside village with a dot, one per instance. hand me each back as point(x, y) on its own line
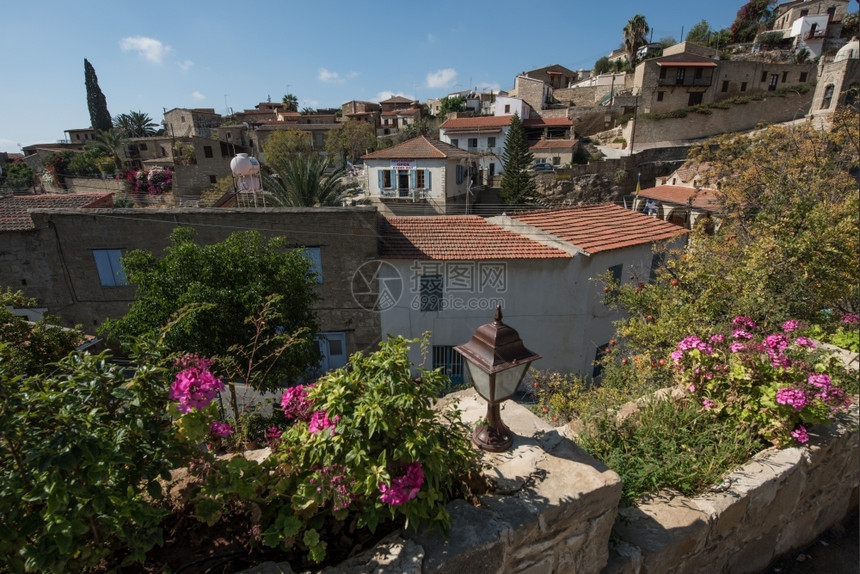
point(609, 152)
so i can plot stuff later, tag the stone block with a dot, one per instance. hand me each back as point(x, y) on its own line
point(756, 554)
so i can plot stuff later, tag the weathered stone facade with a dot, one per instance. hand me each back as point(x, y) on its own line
point(55, 263)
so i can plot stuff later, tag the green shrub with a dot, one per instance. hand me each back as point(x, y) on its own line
point(363, 446)
point(83, 449)
point(649, 454)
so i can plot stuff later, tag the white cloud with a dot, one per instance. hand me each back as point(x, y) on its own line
point(488, 87)
point(310, 104)
point(329, 77)
point(352, 75)
point(441, 78)
point(197, 95)
point(431, 38)
point(150, 48)
point(185, 65)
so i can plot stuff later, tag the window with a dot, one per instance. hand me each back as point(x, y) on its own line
point(315, 258)
point(163, 151)
point(680, 75)
point(598, 356)
point(78, 136)
point(695, 99)
point(698, 73)
point(771, 86)
point(615, 270)
point(556, 160)
point(491, 142)
point(251, 142)
point(182, 119)
point(803, 77)
point(385, 178)
point(455, 142)
point(804, 13)
point(831, 11)
point(451, 361)
point(662, 73)
point(657, 261)
point(431, 293)
point(473, 143)
point(784, 77)
point(743, 86)
point(828, 96)
point(764, 76)
point(725, 87)
point(111, 273)
point(213, 179)
point(332, 349)
point(207, 151)
point(507, 108)
point(385, 122)
point(660, 96)
point(419, 179)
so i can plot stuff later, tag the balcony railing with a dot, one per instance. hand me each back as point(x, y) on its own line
point(404, 194)
point(685, 81)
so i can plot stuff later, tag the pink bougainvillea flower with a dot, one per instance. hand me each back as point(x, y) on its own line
point(403, 488)
point(792, 397)
point(195, 386)
point(296, 404)
point(320, 421)
point(221, 429)
point(743, 322)
point(791, 325)
point(800, 434)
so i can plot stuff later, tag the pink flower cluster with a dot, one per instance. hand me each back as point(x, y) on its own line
point(221, 429)
point(850, 318)
point(273, 435)
point(791, 325)
point(743, 322)
point(689, 343)
point(195, 386)
point(800, 434)
point(295, 403)
point(403, 488)
point(792, 397)
point(320, 421)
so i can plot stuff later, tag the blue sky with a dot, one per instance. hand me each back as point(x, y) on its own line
point(154, 55)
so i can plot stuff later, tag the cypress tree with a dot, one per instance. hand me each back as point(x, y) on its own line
point(518, 186)
point(99, 116)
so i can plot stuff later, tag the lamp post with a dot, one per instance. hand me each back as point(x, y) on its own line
point(497, 361)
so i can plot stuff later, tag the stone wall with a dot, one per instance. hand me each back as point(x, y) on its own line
point(738, 118)
point(556, 511)
point(54, 262)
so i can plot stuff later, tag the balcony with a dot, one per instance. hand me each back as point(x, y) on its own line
point(403, 195)
point(688, 82)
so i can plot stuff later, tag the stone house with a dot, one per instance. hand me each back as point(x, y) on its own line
point(420, 176)
point(788, 14)
point(447, 274)
point(689, 74)
point(362, 111)
point(680, 205)
point(190, 122)
point(555, 76)
point(838, 80)
point(69, 259)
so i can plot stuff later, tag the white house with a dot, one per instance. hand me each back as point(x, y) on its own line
point(483, 136)
point(420, 176)
point(446, 275)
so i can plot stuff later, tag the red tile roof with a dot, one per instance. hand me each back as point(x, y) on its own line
point(420, 147)
point(402, 112)
point(479, 122)
point(600, 227)
point(538, 122)
point(701, 199)
point(457, 237)
point(14, 214)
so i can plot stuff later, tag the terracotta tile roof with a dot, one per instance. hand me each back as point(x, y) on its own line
point(397, 100)
point(479, 122)
point(688, 171)
point(600, 227)
point(402, 112)
point(700, 64)
point(14, 214)
point(553, 144)
point(420, 147)
point(538, 122)
point(457, 237)
point(702, 199)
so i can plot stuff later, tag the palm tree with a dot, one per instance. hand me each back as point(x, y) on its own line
point(135, 124)
point(111, 142)
point(306, 181)
point(292, 102)
point(635, 36)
